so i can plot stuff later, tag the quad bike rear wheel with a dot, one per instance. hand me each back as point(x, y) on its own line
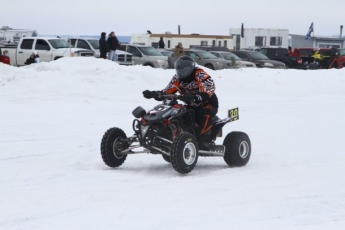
point(237, 149)
point(184, 153)
point(111, 146)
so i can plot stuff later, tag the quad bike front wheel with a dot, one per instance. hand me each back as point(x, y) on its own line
point(166, 158)
point(237, 149)
point(184, 153)
point(111, 146)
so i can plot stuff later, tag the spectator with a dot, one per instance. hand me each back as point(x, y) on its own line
point(30, 60)
point(161, 43)
point(103, 46)
point(113, 44)
point(5, 58)
point(37, 57)
point(178, 51)
point(290, 51)
point(296, 52)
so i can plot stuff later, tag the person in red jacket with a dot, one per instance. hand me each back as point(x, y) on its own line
point(5, 58)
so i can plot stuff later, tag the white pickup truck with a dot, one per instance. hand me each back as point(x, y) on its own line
point(48, 48)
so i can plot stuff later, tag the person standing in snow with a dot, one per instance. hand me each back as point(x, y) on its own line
point(113, 44)
point(161, 44)
point(178, 51)
point(103, 46)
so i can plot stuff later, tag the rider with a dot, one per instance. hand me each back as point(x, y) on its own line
point(198, 91)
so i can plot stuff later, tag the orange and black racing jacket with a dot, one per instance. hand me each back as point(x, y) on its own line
point(201, 86)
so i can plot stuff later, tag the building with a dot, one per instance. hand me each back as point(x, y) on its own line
point(299, 41)
point(171, 40)
point(9, 35)
point(244, 38)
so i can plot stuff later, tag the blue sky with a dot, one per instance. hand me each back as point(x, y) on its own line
point(194, 16)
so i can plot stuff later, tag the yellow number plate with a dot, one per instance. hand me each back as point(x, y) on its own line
point(233, 114)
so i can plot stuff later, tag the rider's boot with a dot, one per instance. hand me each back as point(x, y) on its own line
point(204, 141)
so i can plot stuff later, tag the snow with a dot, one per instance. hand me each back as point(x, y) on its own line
point(53, 116)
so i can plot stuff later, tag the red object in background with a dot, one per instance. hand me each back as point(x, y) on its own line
point(5, 60)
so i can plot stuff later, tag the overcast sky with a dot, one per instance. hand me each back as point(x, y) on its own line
point(216, 17)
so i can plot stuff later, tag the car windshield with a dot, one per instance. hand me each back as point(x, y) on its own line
point(342, 52)
point(94, 44)
point(257, 56)
point(207, 55)
point(58, 43)
point(228, 56)
point(150, 51)
point(167, 53)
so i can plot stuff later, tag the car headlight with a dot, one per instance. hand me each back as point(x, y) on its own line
point(239, 64)
point(220, 64)
point(268, 64)
point(160, 61)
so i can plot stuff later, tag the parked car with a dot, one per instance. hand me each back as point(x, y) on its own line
point(230, 56)
point(251, 48)
point(259, 59)
point(209, 48)
point(146, 55)
point(208, 60)
point(171, 56)
point(122, 57)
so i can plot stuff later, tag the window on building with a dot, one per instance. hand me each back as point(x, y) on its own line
point(225, 43)
point(219, 43)
point(203, 43)
point(276, 41)
point(213, 42)
point(260, 41)
point(168, 43)
point(154, 44)
point(329, 46)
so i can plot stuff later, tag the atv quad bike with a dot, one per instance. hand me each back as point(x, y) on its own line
point(169, 129)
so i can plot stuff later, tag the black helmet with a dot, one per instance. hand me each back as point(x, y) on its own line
point(184, 66)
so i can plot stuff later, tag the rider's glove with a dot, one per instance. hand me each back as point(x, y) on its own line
point(148, 94)
point(158, 95)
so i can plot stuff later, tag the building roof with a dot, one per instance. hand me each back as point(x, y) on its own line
point(191, 36)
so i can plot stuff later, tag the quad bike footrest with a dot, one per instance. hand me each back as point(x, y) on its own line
point(217, 148)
